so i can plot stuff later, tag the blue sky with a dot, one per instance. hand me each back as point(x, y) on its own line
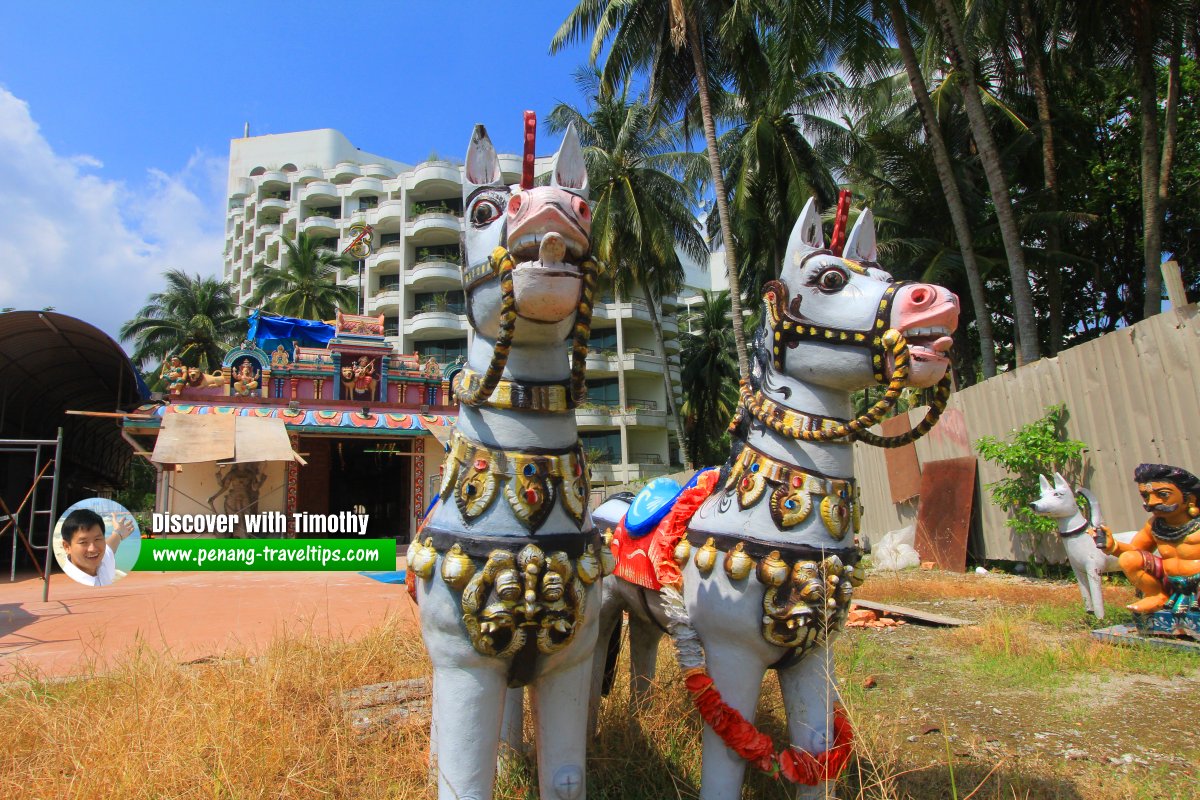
point(115, 119)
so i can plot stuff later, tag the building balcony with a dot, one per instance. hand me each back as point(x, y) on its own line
point(273, 180)
point(434, 276)
point(387, 256)
point(430, 178)
point(435, 324)
point(389, 211)
point(435, 225)
point(381, 171)
point(640, 413)
point(267, 228)
point(636, 311)
point(510, 167)
point(271, 207)
point(308, 175)
point(634, 360)
point(386, 300)
point(346, 171)
point(319, 191)
point(366, 185)
point(241, 188)
point(319, 226)
point(602, 472)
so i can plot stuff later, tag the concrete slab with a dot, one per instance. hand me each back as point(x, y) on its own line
point(189, 615)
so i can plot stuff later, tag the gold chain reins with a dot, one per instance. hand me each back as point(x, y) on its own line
point(476, 392)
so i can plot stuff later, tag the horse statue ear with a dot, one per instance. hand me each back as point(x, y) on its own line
point(481, 167)
point(570, 170)
point(807, 233)
point(860, 244)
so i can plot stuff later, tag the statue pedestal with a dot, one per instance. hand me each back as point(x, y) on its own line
point(1160, 629)
point(1168, 623)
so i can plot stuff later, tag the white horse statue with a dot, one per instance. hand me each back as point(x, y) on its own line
point(763, 574)
point(508, 564)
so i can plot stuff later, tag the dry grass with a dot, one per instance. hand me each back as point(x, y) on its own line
point(265, 727)
point(235, 728)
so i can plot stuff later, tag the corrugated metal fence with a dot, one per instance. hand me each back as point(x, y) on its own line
point(1132, 395)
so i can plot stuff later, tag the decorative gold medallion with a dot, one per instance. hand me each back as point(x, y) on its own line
point(807, 607)
point(835, 513)
point(531, 593)
point(476, 487)
point(530, 491)
point(575, 486)
point(791, 504)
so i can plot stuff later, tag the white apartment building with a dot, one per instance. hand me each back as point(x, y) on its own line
point(318, 183)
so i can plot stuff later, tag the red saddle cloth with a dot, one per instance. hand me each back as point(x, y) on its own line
point(649, 561)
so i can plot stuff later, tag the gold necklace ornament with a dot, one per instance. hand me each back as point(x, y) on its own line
point(533, 480)
point(793, 491)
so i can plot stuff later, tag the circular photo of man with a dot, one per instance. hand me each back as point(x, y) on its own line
point(96, 542)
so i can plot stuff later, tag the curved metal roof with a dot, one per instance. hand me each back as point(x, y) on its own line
point(51, 362)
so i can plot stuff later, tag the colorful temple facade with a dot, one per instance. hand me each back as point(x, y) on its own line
point(361, 416)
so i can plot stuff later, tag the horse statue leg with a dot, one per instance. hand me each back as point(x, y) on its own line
point(810, 691)
point(468, 699)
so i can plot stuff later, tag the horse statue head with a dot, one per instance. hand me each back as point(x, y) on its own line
point(830, 313)
point(540, 233)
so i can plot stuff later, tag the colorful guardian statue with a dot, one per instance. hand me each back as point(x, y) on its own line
point(1162, 560)
point(507, 565)
point(754, 566)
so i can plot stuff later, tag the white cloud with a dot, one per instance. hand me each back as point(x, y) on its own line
point(93, 247)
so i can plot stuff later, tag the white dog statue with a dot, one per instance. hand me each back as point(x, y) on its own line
point(1088, 561)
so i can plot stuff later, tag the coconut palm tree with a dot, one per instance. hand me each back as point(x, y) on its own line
point(709, 375)
point(641, 212)
point(194, 318)
point(962, 60)
point(689, 48)
point(899, 22)
point(771, 166)
point(305, 286)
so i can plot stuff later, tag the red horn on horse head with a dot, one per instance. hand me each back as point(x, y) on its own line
point(530, 142)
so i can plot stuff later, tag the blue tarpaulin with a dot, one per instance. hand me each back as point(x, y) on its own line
point(267, 327)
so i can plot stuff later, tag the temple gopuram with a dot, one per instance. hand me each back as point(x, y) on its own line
point(302, 417)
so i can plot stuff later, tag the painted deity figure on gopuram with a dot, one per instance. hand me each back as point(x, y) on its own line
point(174, 374)
point(245, 380)
point(1162, 560)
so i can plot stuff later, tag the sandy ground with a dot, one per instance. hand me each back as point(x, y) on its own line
point(190, 615)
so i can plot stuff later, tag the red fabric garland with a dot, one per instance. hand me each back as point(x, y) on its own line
point(740, 735)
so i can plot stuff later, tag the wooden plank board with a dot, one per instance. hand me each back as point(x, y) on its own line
point(912, 614)
point(944, 515)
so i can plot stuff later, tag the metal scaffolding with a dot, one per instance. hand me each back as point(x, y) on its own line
point(38, 508)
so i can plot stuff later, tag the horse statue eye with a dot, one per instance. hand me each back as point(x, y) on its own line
point(832, 279)
point(485, 211)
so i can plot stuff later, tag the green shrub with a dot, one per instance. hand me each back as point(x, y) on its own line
point(1039, 448)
